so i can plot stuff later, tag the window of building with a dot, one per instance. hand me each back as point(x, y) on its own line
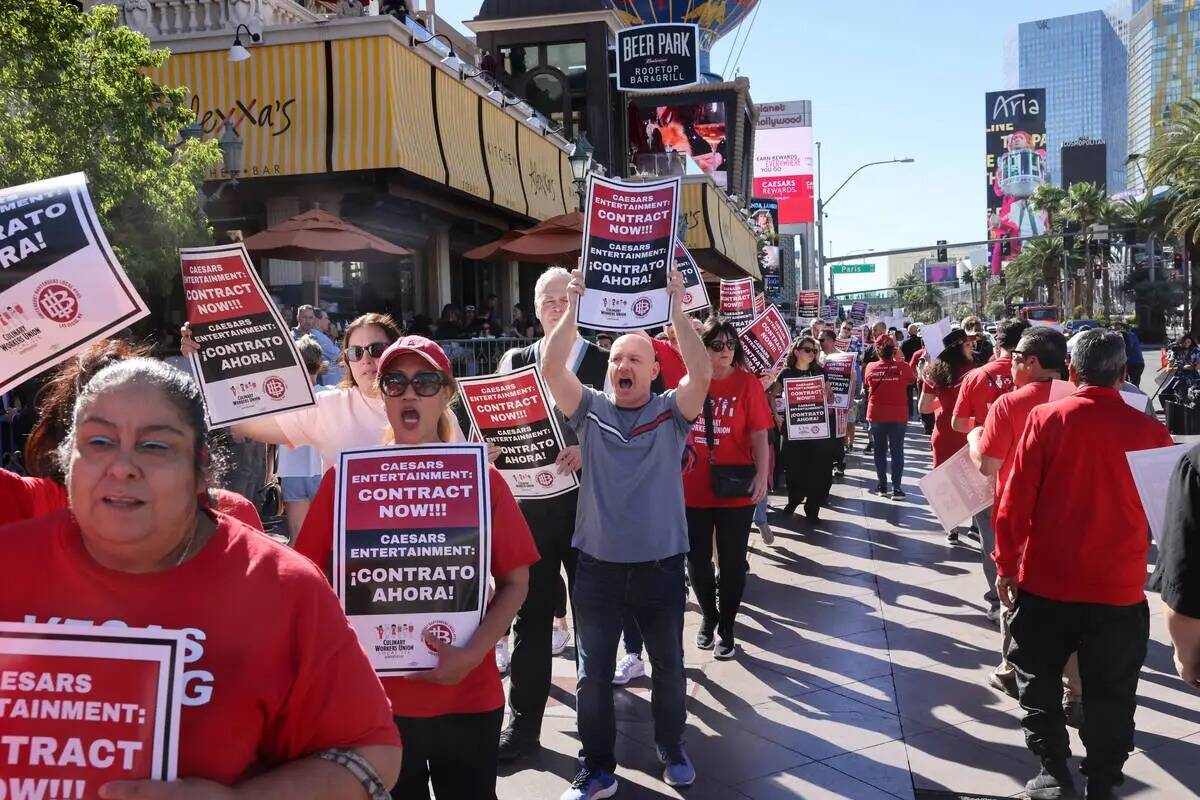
point(553, 78)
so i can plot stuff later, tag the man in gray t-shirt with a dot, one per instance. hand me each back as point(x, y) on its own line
point(631, 532)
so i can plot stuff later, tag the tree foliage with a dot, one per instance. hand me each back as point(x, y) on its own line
point(77, 99)
point(922, 301)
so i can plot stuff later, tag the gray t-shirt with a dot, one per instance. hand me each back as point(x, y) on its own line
point(631, 487)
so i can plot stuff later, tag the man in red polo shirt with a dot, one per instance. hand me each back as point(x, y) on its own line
point(982, 387)
point(1071, 543)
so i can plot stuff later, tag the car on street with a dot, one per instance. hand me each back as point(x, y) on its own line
point(1074, 326)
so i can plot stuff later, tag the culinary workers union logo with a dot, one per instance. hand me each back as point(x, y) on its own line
point(275, 387)
point(641, 307)
point(57, 301)
point(545, 478)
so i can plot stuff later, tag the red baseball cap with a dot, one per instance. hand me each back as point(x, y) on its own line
point(429, 350)
point(880, 341)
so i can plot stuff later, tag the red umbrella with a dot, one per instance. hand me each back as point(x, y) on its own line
point(551, 241)
point(492, 249)
point(319, 235)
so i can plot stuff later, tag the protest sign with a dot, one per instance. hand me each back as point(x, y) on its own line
point(81, 706)
point(1060, 389)
point(695, 295)
point(932, 336)
point(842, 417)
point(511, 411)
point(628, 244)
point(412, 549)
point(61, 287)
point(807, 415)
point(247, 366)
point(858, 312)
point(760, 303)
point(832, 309)
point(765, 341)
point(808, 304)
point(737, 301)
point(839, 371)
point(956, 490)
point(842, 344)
point(1151, 471)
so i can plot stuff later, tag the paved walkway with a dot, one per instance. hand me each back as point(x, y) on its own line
point(864, 653)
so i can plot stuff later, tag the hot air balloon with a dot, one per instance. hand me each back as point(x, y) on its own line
point(715, 17)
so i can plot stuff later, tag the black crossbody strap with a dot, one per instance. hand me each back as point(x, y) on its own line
point(708, 427)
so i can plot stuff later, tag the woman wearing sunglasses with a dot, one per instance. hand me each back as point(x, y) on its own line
point(808, 463)
point(449, 718)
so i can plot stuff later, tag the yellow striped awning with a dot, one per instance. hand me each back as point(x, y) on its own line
point(722, 241)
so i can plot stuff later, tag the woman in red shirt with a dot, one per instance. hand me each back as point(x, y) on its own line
point(808, 463)
point(887, 382)
point(274, 678)
point(449, 717)
point(939, 391)
point(737, 413)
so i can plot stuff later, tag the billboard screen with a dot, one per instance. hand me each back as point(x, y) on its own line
point(1015, 123)
point(764, 216)
point(695, 129)
point(783, 162)
point(1084, 161)
point(936, 272)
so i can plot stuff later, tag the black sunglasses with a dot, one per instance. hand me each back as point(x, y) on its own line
point(374, 350)
point(425, 384)
point(809, 350)
point(721, 345)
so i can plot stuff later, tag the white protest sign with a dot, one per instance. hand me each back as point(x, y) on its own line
point(932, 335)
point(956, 490)
point(1151, 471)
point(61, 287)
point(807, 414)
point(839, 371)
point(695, 295)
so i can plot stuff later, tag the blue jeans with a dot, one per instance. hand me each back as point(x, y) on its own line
point(654, 591)
point(889, 435)
point(760, 511)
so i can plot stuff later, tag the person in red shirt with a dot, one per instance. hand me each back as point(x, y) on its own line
point(918, 362)
point(274, 677)
point(940, 386)
point(980, 389)
point(1071, 545)
point(670, 364)
point(449, 717)
point(732, 430)
point(887, 382)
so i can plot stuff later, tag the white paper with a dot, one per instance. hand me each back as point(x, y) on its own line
point(932, 335)
point(1151, 471)
point(957, 490)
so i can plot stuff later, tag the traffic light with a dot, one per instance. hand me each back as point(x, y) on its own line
point(942, 255)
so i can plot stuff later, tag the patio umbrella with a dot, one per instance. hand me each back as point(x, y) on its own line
point(490, 250)
point(551, 241)
point(320, 236)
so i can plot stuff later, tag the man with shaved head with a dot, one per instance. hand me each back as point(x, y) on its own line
point(630, 530)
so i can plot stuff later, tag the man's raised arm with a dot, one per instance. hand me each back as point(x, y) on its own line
point(563, 384)
point(694, 386)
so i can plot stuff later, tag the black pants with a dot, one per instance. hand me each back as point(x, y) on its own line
point(839, 452)
point(1111, 642)
point(457, 752)
point(552, 522)
point(927, 421)
point(733, 535)
point(809, 466)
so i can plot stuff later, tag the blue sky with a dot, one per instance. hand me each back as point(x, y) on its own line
point(887, 79)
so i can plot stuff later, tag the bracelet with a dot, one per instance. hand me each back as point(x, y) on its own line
point(361, 769)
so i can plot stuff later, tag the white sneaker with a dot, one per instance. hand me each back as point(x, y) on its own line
point(628, 668)
point(559, 639)
point(765, 533)
point(502, 656)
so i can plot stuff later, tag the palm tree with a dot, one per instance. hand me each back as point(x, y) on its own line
point(1035, 267)
point(922, 300)
point(1083, 207)
point(1049, 198)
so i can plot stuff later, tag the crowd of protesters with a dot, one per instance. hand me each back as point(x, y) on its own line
point(677, 445)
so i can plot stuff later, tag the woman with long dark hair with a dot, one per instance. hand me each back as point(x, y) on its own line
point(939, 391)
point(887, 381)
point(808, 463)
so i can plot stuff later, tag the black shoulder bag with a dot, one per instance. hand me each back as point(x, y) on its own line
point(728, 480)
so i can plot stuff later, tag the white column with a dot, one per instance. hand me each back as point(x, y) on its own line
point(280, 272)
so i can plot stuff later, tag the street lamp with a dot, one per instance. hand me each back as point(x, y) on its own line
point(1136, 160)
point(581, 166)
point(237, 52)
point(821, 210)
point(451, 60)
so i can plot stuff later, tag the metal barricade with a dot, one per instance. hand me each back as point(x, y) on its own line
point(471, 357)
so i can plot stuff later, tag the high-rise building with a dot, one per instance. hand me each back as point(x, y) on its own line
point(1164, 68)
point(1082, 62)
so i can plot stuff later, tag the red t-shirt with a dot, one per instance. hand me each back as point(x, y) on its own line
point(739, 408)
point(272, 669)
point(512, 548)
point(982, 387)
point(24, 498)
point(888, 382)
point(916, 358)
point(1004, 426)
point(1070, 504)
point(671, 368)
point(945, 440)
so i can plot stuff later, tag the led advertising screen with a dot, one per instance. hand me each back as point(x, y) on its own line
point(1015, 124)
point(783, 161)
point(658, 132)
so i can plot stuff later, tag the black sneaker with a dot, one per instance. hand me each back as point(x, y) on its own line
point(1054, 781)
point(952, 537)
point(881, 490)
point(1097, 792)
point(704, 637)
point(788, 510)
point(812, 512)
point(514, 745)
point(898, 494)
point(726, 649)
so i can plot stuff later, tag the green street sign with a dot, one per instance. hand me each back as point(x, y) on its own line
point(852, 269)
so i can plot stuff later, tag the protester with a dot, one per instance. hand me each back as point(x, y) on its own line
point(306, 325)
point(727, 472)
point(912, 343)
point(139, 547)
point(1135, 360)
point(828, 343)
point(980, 389)
point(1179, 565)
point(870, 355)
point(44, 492)
point(631, 531)
point(1071, 534)
point(670, 363)
point(979, 341)
point(299, 468)
point(886, 383)
point(333, 372)
point(808, 463)
point(552, 521)
point(450, 717)
point(940, 388)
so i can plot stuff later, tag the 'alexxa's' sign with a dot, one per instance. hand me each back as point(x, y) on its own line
point(657, 57)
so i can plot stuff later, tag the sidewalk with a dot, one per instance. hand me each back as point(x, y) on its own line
point(861, 675)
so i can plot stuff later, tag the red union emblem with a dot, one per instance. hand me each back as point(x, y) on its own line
point(687, 296)
point(641, 307)
point(438, 630)
point(275, 387)
point(545, 479)
point(58, 302)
